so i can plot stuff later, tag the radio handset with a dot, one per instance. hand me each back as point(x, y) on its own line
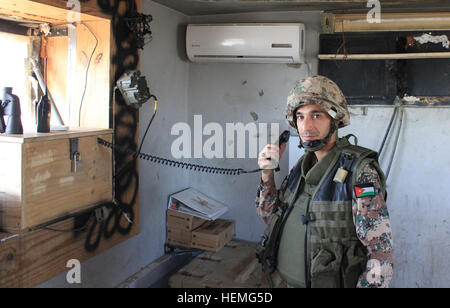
point(284, 137)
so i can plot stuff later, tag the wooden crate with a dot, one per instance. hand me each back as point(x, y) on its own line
point(179, 227)
point(177, 220)
point(36, 182)
point(178, 237)
point(234, 266)
point(213, 235)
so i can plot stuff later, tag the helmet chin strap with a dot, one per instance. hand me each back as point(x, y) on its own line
point(317, 145)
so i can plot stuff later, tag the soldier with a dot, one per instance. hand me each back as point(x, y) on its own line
point(328, 224)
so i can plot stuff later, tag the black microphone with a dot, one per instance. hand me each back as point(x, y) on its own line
point(284, 137)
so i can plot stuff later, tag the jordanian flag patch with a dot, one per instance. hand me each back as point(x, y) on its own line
point(365, 190)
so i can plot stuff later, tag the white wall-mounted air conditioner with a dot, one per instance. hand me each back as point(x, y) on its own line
point(246, 43)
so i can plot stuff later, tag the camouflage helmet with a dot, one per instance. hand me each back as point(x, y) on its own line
point(318, 90)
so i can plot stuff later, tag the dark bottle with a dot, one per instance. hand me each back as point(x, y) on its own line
point(43, 115)
point(11, 105)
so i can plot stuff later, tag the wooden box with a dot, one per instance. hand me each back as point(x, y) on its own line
point(213, 235)
point(37, 184)
point(179, 228)
point(177, 220)
point(178, 237)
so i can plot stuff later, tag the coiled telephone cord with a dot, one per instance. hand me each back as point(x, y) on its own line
point(173, 163)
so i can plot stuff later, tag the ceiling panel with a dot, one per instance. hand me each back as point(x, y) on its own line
point(210, 7)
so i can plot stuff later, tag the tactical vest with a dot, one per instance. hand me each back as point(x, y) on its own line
point(311, 238)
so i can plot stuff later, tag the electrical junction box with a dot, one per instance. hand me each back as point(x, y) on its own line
point(45, 177)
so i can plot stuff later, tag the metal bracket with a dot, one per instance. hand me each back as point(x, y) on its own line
point(54, 32)
point(75, 156)
point(101, 214)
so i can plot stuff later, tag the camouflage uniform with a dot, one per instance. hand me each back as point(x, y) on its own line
point(370, 214)
point(372, 225)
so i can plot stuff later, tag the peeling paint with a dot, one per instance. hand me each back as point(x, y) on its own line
point(39, 183)
point(411, 99)
point(294, 65)
point(436, 39)
point(42, 159)
point(39, 178)
point(39, 189)
point(66, 180)
point(98, 58)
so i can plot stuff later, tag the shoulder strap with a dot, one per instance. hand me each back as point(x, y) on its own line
point(374, 163)
point(361, 157)
point(364, 157)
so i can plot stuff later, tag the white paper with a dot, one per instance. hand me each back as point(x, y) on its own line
point(193, 202)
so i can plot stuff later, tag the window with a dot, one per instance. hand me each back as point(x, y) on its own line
point(13, 62)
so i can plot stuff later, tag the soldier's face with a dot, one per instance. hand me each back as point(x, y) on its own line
point(313, 123)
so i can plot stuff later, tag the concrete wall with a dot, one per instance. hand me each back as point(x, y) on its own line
point(229, 93)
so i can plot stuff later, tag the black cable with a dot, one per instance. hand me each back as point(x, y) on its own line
point(387, 131)
point(178, 164)
point(395, 143)
point(87, 72)
point(148, 126)
point(83, 228)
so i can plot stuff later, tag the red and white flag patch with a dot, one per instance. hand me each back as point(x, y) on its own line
point(364, 190)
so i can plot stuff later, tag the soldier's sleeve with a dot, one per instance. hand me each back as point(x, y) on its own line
point(373, 229)
point(266, 199)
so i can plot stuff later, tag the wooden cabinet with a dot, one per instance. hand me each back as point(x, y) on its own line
point(38, 182)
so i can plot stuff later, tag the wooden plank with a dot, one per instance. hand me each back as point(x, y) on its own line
point(57, 52)
point(96, 83)
point(49, 11)
point(88, 7)
point(10, 186)
point(424, 55)
point(34, 257)
point(54, 135)
point(234, 266)
point(392, 22)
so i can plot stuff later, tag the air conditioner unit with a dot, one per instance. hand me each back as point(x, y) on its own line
point(246, 43)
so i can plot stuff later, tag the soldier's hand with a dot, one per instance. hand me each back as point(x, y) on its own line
point(270, 156)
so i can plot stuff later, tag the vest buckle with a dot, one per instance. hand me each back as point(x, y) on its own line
point(307, 218)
